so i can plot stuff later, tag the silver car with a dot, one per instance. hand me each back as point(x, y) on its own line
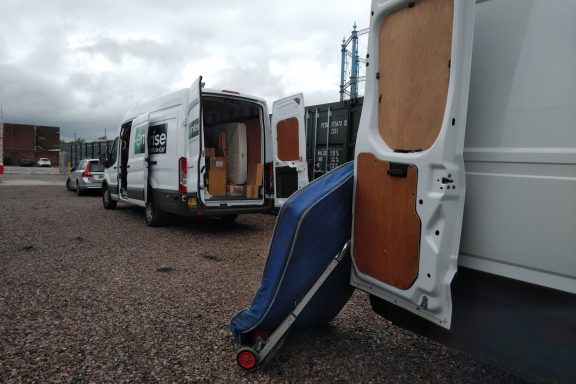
point(88, 175)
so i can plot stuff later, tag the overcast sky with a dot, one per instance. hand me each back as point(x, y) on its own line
point(81, 64)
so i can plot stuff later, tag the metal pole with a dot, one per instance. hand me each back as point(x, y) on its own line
point(327, 139)
point(355, 59)
point(343, 69)
point(314, 156)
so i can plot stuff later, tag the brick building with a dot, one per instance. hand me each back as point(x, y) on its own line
point(31, 142)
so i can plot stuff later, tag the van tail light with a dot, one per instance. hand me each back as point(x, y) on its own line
point(87, 172)
point(182, 175)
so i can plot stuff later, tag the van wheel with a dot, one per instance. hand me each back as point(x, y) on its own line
point(78, 190)
point(107, 200)
point(229, 219)
point(153, 215)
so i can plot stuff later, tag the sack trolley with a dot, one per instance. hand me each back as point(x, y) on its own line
point(263, 348)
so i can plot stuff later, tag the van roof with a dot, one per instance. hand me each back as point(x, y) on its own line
point(225, 92)
point(181, 97)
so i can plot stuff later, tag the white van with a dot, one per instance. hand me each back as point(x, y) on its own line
point(200, 152)
point(511, 245)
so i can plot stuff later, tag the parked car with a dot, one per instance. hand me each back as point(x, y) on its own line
point(88, 175)
point(26, 162)
point(43, 162)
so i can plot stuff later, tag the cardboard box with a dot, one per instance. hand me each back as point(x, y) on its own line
point(222, 141)
point(234, 190)
point(217, 163)
point(209, 152)
point(254, 140)
point(217, 182)
point(255, 174)
point(252, 191)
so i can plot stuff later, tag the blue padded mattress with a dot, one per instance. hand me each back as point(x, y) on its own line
point(310, 231)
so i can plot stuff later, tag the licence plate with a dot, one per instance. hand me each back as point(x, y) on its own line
point(191, 201)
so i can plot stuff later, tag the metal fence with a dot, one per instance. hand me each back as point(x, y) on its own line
point(91, 150)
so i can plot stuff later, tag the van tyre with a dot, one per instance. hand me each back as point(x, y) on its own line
point(153, 215)
point(78, 190)
point(107, 200)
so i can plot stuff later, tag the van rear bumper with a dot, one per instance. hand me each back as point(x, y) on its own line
point(176, 203)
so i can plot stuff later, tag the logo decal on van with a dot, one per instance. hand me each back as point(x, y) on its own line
point(139, 140)
point(157, 139)
point(193, 129)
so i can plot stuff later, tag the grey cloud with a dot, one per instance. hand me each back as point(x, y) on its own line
point(49, 53)
point(256, 80)
point(149, 50)
point(29, 91)
point(46, 83)
point(30, 98)
point(3, 49)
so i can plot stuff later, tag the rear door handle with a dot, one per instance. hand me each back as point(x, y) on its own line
point(398, 170)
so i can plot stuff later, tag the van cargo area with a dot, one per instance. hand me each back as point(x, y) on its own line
point(233, 149)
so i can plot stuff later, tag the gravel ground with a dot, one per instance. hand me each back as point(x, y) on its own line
point(89, 295)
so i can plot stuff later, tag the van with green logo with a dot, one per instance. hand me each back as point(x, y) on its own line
point(207, 152)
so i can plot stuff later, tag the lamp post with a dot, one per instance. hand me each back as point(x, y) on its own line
point(1, 141)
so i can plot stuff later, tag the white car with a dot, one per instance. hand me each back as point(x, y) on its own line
point(43, 162)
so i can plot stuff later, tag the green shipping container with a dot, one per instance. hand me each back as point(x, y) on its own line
point(331, 131)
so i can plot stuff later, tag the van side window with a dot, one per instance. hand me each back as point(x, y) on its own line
point(113, 152)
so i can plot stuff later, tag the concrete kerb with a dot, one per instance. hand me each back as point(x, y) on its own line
point(16, 170)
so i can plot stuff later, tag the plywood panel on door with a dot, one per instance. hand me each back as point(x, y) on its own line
point(386, 224)
point(414, 54)
point(288, 139)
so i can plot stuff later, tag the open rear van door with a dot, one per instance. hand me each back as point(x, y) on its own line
point(288, 147)
point(191, 168)
point(409, 171)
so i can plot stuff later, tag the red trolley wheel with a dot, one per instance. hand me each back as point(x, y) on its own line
point(247, 358)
